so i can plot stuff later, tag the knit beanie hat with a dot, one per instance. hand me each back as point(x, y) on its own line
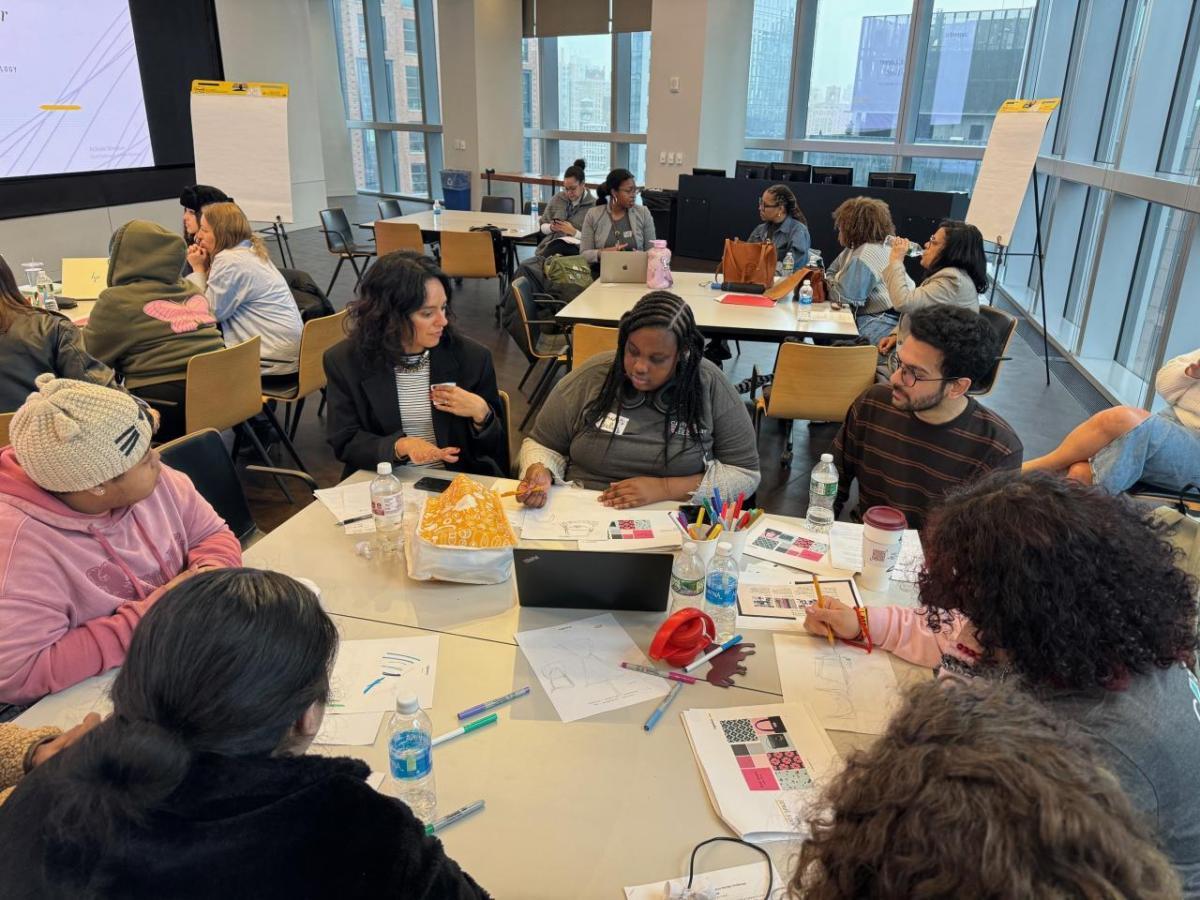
point(73, 435)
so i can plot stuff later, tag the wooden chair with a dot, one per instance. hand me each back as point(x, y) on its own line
point(1005, 327)
point(814, 383)
point(318, 336)
point(5, 421)
point(202, 458)
point(224, 391)
point(506, 405)
point(469, 254)
point(535, 344)
point(588, 340)
point(392, 236)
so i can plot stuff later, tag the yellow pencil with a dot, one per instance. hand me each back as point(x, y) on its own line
point(534, 489)
point(821, 605)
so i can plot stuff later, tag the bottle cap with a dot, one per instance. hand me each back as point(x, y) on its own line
point(826, 457)
point(725, 547)
point(408, 704)
point(383, 468)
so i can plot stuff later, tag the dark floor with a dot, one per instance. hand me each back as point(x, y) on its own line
point(1041, 415)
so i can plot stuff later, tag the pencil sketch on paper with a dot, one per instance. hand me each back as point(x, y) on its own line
point(579, 666)
point(847, 689)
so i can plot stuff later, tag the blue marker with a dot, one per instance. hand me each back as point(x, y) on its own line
point(695, 664)
point(662, 707)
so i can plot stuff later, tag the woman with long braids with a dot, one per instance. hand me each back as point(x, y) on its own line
point(651, 421)
point(1076, 596)
point(784, 225)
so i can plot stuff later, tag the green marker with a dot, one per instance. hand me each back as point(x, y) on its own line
point(444, 821)
point(466, 729)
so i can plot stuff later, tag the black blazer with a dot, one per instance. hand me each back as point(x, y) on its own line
point(363, 420)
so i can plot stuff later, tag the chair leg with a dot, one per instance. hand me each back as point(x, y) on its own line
point(528, 372)
point(337, 270)
point(785, 459)
point(248, 431)
point(358, 273)
point(738, 344)
point(299, 408)
point(284, 439)
point(545, 386)
point(542, 380)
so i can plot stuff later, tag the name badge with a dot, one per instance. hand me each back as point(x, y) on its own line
point(613, 423)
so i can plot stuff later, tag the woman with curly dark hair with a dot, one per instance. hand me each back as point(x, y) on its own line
point(651, 421)
point(987, 794)
point(856, 275)
point(1075, 593)
point(405, 388)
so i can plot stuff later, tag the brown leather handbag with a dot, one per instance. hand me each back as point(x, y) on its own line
point(744, 262)
point(792, 284)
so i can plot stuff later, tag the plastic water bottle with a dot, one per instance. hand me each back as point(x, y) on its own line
point(720, 590)
point(789, 264)
point(822, 491)
point(387, 506)
point(535, 214)
point(687, 580)
point(914, 249)
point(410, 758)
point(437, 215)
point(45, 292)
point(806, 293)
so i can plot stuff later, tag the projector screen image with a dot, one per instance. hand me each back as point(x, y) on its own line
point(70, 89)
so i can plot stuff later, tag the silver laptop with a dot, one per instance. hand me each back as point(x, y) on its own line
point(623, 267)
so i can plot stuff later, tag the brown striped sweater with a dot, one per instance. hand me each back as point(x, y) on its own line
point(902, 461)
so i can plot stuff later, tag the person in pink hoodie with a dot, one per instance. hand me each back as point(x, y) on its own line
point(93, 529)
point(1073, 594)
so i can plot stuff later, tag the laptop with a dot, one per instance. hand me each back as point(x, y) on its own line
point(623, 267)
point(84, 278)
point(584, 579)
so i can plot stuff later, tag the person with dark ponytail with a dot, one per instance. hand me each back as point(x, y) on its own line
point(563, 215)
point(197, 785)
point(616, 222)
point(784, 225)
point(651, 421)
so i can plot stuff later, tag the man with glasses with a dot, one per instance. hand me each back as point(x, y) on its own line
point(910, 441)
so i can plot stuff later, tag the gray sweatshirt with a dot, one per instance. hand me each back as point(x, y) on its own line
point(630, 443)
point(949, 285)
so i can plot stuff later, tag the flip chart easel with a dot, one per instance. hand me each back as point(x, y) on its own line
point(240, 138)
point(1008, 162)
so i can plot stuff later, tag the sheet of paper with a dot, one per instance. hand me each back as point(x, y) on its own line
point(774, 606)
point(762, 766)
point(375, 779)
point(575, 514)
point(1008, 161)
point(846, 688)
point(368, 675)
point(514, 510)
point(68, 707)
point(748, 882)
point(781, 542)
point(579, 667)
point(845, 540)
point(349, 729)
point(349, 502)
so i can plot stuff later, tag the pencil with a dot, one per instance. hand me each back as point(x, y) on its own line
point(821, 605)
point(535, 489)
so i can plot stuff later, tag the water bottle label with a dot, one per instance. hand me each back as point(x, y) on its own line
point(410, 755)
point(822, 488)
point(687, 586)
point(720, 590)
point(388, 505)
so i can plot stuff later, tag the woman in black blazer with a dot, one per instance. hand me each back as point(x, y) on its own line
point(404, 388)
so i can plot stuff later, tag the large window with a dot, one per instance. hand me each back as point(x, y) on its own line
point(387, 58)
point(897, 81)
point(583, 85)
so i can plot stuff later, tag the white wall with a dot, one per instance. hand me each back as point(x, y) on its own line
point(479, 51)
point(335, 139)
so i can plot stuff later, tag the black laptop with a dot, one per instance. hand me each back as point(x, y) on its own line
point(581, 579)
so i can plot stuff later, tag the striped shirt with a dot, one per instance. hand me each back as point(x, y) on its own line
point(416, 408)
point(905, 462)
point(856, 277)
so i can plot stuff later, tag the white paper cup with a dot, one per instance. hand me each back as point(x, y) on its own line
point(706, 550)
point(883, 529)
point(738, 540)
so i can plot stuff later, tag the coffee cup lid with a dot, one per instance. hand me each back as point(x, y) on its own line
point(885, 518)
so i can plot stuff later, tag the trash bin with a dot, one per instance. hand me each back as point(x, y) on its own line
point(456, 189)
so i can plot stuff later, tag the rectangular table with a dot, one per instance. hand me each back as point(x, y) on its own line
point(514, 227)
point(603, 304)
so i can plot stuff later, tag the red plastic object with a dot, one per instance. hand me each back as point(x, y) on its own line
point(683, 637)
point(747, 300)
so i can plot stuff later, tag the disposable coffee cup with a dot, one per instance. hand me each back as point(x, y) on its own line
point(883, 528)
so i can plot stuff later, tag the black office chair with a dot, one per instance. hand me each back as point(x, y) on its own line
point(202, 457)
point(904, 180)
point(390, 209)
point(339, 240)
point(1005, 327)
point(494, 204)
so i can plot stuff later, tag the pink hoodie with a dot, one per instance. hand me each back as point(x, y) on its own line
point(73, 586)
point(903, 630)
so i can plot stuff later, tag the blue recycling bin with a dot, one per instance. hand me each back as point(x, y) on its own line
point(456, 189)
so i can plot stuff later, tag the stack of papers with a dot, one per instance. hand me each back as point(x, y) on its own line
point(761, 766)
point(846, 539)
point(349, 501)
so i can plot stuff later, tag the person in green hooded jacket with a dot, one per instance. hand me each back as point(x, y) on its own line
point(149, 321)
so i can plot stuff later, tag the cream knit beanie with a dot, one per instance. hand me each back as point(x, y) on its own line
point(73, 435)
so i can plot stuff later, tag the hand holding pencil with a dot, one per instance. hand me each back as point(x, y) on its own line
point(535, 486)
point(834, 615)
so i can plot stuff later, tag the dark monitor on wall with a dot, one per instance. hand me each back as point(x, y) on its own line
point(746, 168)
point(904, 180)
point(715, 173)
point(794, 172)
point(832, 175)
